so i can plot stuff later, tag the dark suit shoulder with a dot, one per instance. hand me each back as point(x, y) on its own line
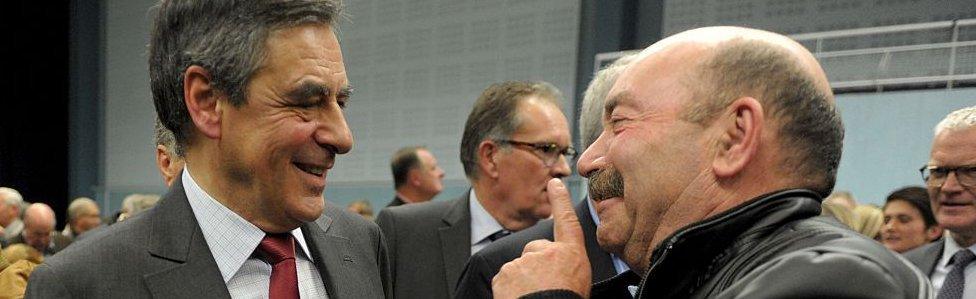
point(429, 209)
point(116, 253)
point(509, 248)
point(925, 257)
point(347, 221)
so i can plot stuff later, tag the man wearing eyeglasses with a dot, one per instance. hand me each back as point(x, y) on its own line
point(950, 177)
point(515, 140)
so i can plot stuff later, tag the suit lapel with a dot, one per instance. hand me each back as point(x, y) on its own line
point(175, 239)
point(335, 258)
point(600, 260)
point(932, 256)
point(456, 239)
point(327, 255)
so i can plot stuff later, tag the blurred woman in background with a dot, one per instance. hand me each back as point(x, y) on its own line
point(908, 220)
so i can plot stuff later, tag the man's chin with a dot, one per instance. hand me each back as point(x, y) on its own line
point(608, 241)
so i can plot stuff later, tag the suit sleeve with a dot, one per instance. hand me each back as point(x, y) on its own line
point(475, 281)
point(388, 233)
point(43, 283)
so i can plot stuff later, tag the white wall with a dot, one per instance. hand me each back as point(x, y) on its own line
point(888, 137)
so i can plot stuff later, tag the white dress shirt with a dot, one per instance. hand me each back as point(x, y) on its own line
point(943, 268)
point(232, 241)
point(482, 224)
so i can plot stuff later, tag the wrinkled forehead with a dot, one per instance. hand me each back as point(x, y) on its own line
point(661, 75)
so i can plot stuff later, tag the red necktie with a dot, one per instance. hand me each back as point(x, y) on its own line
point(279, 249)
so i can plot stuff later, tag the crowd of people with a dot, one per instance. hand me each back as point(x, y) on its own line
point(708, 158)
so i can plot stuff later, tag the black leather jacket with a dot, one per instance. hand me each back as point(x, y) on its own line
point(774, 246)
point(777, 246)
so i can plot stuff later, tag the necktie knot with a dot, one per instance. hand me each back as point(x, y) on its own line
point(955, 281)
point(278, 247)
point(499, 234)
point(962, 258)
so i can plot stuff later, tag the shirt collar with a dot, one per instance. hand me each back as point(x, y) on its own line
point(231, 238)
point(950, 249)
point(482, 224)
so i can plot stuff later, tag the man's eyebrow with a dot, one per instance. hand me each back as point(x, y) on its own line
point(346, 91)
point(612, 102)
point(307, 90)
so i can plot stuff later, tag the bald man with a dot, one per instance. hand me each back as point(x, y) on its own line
point(718, 145)
point(39, 222)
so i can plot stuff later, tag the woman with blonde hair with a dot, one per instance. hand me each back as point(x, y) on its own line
point(868, 221)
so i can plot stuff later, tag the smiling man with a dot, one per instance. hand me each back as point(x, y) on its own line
point(950, 176)
point(254, 93)
point(516, 138)
point(718, 145)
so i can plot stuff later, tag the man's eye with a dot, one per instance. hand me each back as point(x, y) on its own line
point(550, 149)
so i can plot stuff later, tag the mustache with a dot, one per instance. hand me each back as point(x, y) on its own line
point(606, 183)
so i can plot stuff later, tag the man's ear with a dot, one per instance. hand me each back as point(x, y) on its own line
point(201, 101)
point(487, 152)
point(413, 177)
point(742, 125)
point(933, 233)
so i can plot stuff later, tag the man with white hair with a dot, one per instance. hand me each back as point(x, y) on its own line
point(950, 177)
point(10, 202)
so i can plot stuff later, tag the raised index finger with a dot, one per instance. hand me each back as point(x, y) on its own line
point(566, 227)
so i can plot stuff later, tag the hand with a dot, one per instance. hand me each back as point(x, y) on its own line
point(545, 265)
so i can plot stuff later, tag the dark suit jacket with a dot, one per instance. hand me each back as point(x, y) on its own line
point(161, 253)
point(58, 241)
point(429, 243)
point(395, 202)
point(926, 256)
point(475, 281)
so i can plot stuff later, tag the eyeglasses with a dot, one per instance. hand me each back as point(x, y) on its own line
point(548, 152)
point(935, 176)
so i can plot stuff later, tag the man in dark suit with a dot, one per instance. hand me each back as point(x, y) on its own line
point(416, 176)
point(475, 282)
point(950, 178)
point(514, 141)
point(253, 91)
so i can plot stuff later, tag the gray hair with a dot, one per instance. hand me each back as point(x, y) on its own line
point(227, 38)
point(962, 118)
point(591, 110)
point(164, 137)
point(811, 129)
point(11, 197)
point(495, 116)
point(79, 206)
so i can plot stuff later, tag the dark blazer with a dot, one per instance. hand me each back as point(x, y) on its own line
point(58, 242)
point(475, 281)
point(926, 256)
point(395, 202)
point(429, 243)
point(161, 253)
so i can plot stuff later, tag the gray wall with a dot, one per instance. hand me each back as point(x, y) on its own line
point(888, 134)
